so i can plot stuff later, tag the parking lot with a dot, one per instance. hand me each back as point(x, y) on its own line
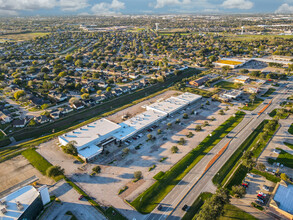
point(118, 168)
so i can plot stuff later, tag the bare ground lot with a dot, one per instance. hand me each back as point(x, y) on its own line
point(117, 171)
point(138, 108)
point(18, 169)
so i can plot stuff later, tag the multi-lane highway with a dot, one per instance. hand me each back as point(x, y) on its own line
point(195, 182)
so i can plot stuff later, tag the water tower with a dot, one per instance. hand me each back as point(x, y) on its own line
point(157, 26)
point(242, 30)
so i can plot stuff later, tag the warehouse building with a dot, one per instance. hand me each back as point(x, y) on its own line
point(282, 199)
point(24, 203)
point(90, 140)
point(242, 79)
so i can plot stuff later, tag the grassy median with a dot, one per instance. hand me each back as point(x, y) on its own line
point(253, 105)
point(256, 144)
point(150, 198)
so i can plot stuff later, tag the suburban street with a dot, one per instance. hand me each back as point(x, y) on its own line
point(195, 181)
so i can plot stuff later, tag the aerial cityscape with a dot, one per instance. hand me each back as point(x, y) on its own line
point(146, 110)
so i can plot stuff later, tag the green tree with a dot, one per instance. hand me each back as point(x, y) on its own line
point(181, 141)
point(19, 94)
point(221, 112)
point(185, 115)
point(150, 137)
point(85, 96)
point(78, 63)
point(174, 149)
point(284, 176)
point(238, 191)
point(198, 128)
point(126, 150)
point(69, 58)
point(159, 131)
point(54, 171)
point(108, 89)
point(137, 175)
point(96, 169)
point(70, 149)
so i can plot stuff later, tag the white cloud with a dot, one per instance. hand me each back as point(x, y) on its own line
point(104, 8)
point(163, 3)
point(8, 12)
point(285, 9)
point(238, 4)
point(73, 5)
point(12, 6)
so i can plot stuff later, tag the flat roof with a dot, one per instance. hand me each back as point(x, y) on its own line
point(95, 131)
point(284, 196)
point(137, 123)
point(168, 106)
point(242, 77)
point(89, 151)
point(187, 96)
point(25, 196)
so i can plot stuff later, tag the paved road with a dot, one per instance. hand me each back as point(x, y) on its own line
point(190, 187)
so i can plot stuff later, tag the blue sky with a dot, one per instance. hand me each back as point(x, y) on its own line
point(108, 7)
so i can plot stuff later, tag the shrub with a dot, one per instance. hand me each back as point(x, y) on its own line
point(126, 150)
point(159, 131)
point(181, 141)
point(174, 149)
point(284, 176)
point(221, 112)
point(96, 169)
point(54, 171)
point(70, 149)
point(198, 128)
point(185, 115)
point(206, 123)
point(238, 190)
point(137, 175)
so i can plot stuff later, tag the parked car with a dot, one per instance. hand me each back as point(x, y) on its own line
point(263, 194)
point(185, 208)
point(266, 188)
point(80, 197)
point(245, 185)
point(260, 201)
point(160, 207)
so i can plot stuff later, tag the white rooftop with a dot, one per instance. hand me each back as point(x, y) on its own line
point(242, 77)
point(137, 123)
point(168, 106)
point(25, 196)
point(89, 150)
point(95, 131)
point(187, 96)
point(284, 196)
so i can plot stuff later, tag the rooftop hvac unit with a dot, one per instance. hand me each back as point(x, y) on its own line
point(3, 210)
point(2, 202)
point(19, 205)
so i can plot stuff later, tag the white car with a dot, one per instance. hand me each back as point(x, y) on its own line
point(263, 194)
point(266, 188)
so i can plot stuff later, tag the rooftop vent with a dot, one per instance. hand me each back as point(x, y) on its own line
point(3, 210)
point(19, 205)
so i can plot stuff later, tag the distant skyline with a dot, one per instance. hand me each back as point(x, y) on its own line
point(112, 7)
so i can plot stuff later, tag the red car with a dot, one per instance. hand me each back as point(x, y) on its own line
point(80, 197)
point(245, 185)
point(260, 196)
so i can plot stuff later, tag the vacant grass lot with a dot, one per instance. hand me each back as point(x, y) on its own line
point(228, 85)
point(40, 163)
point(253, 105)
point(269, 92)
point(150, 198)
point(232, 212)
point(22, 36)
point(284, 158)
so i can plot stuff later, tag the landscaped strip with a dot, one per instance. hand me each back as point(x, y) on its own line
point(290, 130)
point(196, 205)
point(269, 92)
point(284, 158)
point(149, 199)
point(253, 105)
point(267, 175)
point(254, 143)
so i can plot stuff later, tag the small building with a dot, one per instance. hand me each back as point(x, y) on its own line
point(252, 90)
point(241, 79)
point(20, 123)
point(199, 81)
point(282, 199)
point(91, 139)
point(233, 94)
point(24, 203)
point(5, 118)
point(42, 119)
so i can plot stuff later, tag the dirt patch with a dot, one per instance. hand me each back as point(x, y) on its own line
point(138, 108)
point(18, 169)
point(131, 187)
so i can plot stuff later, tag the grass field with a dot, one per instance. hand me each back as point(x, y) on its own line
point(256, 37)
point(228, 85)
point(284, 158)
point(290, 130)
point(21, 37)
point(269, 92)
point(149, 199)
point(40, 163)
point(251, 106)
point(232, 212)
